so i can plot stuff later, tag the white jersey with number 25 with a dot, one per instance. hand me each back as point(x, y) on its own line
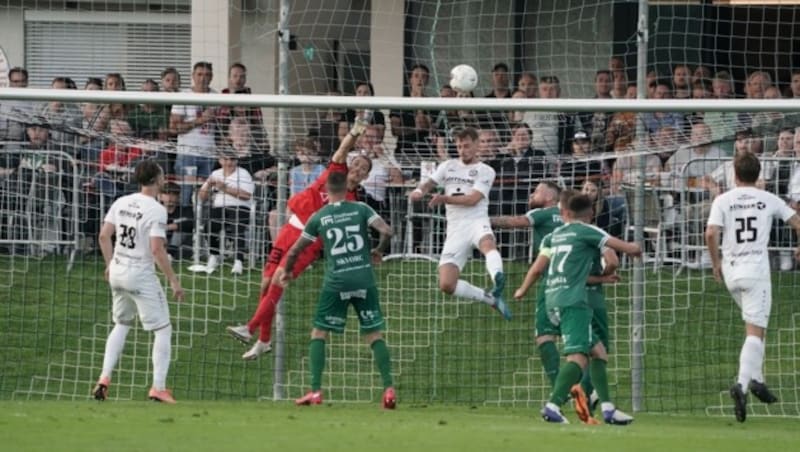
point(745, 215)
point(136, 218)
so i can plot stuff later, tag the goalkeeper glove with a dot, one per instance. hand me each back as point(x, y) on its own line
point(360, 124)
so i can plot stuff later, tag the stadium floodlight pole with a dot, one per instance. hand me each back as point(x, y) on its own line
point(397, 103)
point(279, 341)
point(637, 302)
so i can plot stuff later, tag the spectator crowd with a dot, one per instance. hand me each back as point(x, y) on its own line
point(222, 155)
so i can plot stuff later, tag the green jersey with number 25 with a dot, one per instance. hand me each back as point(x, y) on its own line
point(344, 230)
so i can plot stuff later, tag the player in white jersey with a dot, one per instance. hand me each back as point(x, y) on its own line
point(139, 223)
point(744, 217)
point(466, 182)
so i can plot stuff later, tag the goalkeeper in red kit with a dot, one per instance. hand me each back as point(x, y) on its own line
point(301, 207)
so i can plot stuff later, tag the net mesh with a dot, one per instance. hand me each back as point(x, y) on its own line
point(56, 317)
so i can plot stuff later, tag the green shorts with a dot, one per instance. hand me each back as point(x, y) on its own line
point(600, 327)
point(575, 323)
point(332, 310)
point(544, 326)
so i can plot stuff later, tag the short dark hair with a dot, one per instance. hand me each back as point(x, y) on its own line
point(93, 81)
point(237, 65)
point(18, 70)
point(337, 182)
point(171, 188)
point(747, 167)
point(170, 70)
point(500, 66)
point(368, 85)
point(580, 205)
point(420, 66)
point(553, 187)
point(522, 125)
point(602, 71)
point(146, 172)
point(202, 65)
point(466, 132)
point(550, 79)
point(150, 81)
point(565, 196)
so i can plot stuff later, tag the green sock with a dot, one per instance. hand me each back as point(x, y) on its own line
point(548, 353)
point(382, 360)
point(597, 368)
point(316, 356)
point(569, 374)
point(586, 383)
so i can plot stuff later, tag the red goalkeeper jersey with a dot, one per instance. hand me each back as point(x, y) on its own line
point(315, 196)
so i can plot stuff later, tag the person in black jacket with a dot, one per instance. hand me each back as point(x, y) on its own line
point(180, 222)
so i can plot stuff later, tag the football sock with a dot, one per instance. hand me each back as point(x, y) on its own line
point(467, 290)
point(114, 345)
point(569, 374)
point(551, 360)
point(494, 263)
point(751, 359)
point(599, 376)
point(382, 360)
point(265, 312)
point(316, 356)
point(586, 382)
point(162, 348)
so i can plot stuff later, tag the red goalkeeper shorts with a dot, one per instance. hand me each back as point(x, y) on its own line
point(287, 236)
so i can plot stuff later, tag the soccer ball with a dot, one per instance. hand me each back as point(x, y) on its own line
point(463, 78)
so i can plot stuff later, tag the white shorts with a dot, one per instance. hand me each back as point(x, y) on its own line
point(754, 297)
point(461, 239)
point(136, 291)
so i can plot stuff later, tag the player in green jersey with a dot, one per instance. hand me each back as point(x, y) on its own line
point(349, 280)
point(568, 254)
point(544, 217)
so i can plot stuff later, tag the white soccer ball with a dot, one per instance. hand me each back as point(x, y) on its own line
point(463, 78)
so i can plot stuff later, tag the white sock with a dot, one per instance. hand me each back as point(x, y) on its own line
point(751, 360)
point(494, 263)
point(607, 406)
point(114, 345)
point(467, 290)
point(162, 348)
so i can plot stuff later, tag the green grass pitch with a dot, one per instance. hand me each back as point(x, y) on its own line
point(215, 426)
point(477, 377)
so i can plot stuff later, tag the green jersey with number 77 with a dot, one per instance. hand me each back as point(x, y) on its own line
point(572, 250)
point(344, 230)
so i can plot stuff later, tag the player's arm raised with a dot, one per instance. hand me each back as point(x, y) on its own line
point(349, 141)
point(159, 249)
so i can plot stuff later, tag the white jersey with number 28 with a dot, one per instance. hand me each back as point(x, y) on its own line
point(745, 215)
point(136, 218)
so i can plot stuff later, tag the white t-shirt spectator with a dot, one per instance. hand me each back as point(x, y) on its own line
point(240, 179)
point(200, 139)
